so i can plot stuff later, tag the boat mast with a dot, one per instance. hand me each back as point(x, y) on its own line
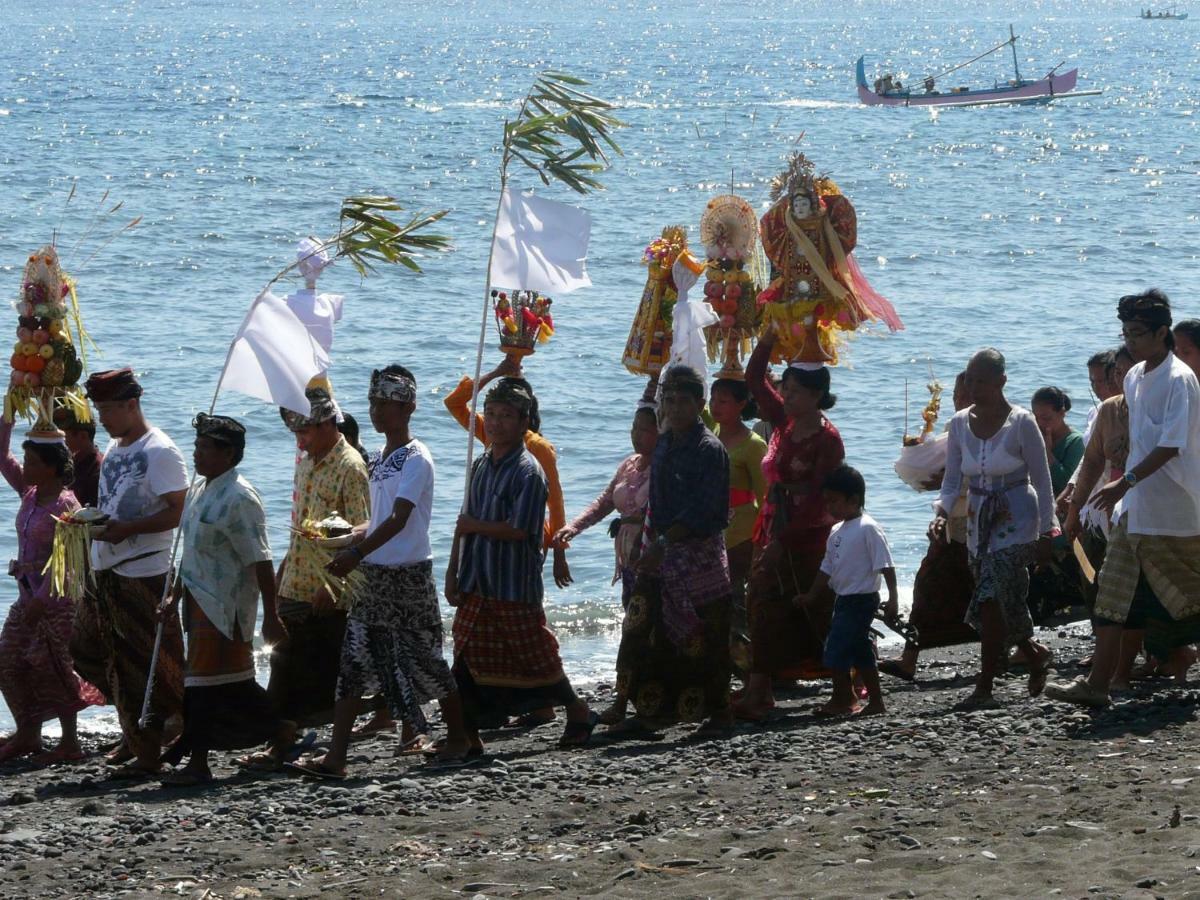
point(1012, 43)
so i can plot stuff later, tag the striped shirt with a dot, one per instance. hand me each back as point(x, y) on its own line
point(511, 490)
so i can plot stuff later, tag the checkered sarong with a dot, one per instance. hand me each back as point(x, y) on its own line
point(1171, 566)
point(506, 644)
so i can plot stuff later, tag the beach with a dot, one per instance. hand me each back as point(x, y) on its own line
point(234, 131)
point(1033, 799)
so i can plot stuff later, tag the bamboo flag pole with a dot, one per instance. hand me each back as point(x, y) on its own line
point(366, 236)
point(483, 322)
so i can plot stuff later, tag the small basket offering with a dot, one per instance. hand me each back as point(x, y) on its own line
point(69, 565)
point(327, 536)
point(523, 320)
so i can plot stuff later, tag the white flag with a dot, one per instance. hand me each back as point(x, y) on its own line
point(274, 357)
point(540, 245)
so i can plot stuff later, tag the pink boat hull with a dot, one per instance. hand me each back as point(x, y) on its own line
point(1044, 89)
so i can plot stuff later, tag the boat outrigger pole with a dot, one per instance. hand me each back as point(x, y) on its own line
point(1011, 42)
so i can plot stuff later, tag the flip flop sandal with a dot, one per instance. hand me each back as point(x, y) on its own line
point(314, 769)
point(117, 757)
point(260, 762)
point(891, 667)
point(301, 747)
point(433, 751)
point(133, 772)
point(472, 757)
point(527, 722)
point(185, 779)
point(415, 746)
point(577, 734)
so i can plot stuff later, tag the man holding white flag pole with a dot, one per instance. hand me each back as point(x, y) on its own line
point(561, 134)
point(273, 356)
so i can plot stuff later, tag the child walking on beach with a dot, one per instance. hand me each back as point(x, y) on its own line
point(857, 560)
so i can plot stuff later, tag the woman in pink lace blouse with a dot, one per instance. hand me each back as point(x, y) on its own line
point(36, 673)
point(627, 495)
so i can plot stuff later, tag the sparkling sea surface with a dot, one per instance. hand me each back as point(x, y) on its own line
point(235, 129)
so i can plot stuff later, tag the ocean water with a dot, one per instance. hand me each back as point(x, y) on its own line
point(234, 129)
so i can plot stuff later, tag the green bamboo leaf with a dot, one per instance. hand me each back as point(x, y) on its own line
point(563, 77)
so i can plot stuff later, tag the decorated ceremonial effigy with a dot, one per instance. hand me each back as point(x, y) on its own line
point(649, 345)
point(729, 233)
point(818, 292)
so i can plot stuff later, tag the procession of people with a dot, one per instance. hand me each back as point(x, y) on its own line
point(742, 553)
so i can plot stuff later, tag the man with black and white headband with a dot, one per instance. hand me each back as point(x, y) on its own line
point(393, 643)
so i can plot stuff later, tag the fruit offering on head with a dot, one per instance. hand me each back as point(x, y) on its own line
point(45, 365)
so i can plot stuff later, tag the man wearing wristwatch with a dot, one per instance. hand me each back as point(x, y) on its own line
point(1151, 573)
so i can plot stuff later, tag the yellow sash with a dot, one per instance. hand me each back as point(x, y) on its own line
point(813, 256)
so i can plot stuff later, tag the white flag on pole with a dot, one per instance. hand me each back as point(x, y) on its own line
point(274, 356)
point(540, 245)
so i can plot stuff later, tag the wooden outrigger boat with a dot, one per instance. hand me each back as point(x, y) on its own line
point(1171, 13)
point(888, 91)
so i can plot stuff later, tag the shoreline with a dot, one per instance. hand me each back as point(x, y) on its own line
point(1034, 798)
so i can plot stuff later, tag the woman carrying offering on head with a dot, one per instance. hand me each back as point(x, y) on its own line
point(786, 642)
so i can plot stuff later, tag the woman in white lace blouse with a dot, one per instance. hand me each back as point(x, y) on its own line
point(998, 448)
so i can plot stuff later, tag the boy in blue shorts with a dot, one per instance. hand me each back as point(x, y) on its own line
point(857, 560)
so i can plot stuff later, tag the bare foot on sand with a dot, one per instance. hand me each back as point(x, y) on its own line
point(833, 710)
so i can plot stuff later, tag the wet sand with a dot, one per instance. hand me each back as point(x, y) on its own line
point(1034, 799)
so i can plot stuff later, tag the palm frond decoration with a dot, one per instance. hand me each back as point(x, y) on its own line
point(367, 237)
point(561, 133)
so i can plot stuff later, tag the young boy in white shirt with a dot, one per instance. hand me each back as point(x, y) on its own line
point(857, 560)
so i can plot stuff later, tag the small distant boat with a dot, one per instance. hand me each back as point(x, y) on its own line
point(1171, 13)
point(888, 91)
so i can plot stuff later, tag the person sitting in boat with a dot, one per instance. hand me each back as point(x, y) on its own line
point(887, 85)
point(929, 86)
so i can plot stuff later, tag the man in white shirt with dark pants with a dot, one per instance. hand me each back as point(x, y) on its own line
point(1152, 567)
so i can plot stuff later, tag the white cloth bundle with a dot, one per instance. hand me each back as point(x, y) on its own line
point(921, 462)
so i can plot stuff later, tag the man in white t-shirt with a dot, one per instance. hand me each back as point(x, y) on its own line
point(1151, 571)
point(393, 642)
point(143, 483)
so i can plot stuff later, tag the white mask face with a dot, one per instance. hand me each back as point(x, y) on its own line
point(802, 207)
